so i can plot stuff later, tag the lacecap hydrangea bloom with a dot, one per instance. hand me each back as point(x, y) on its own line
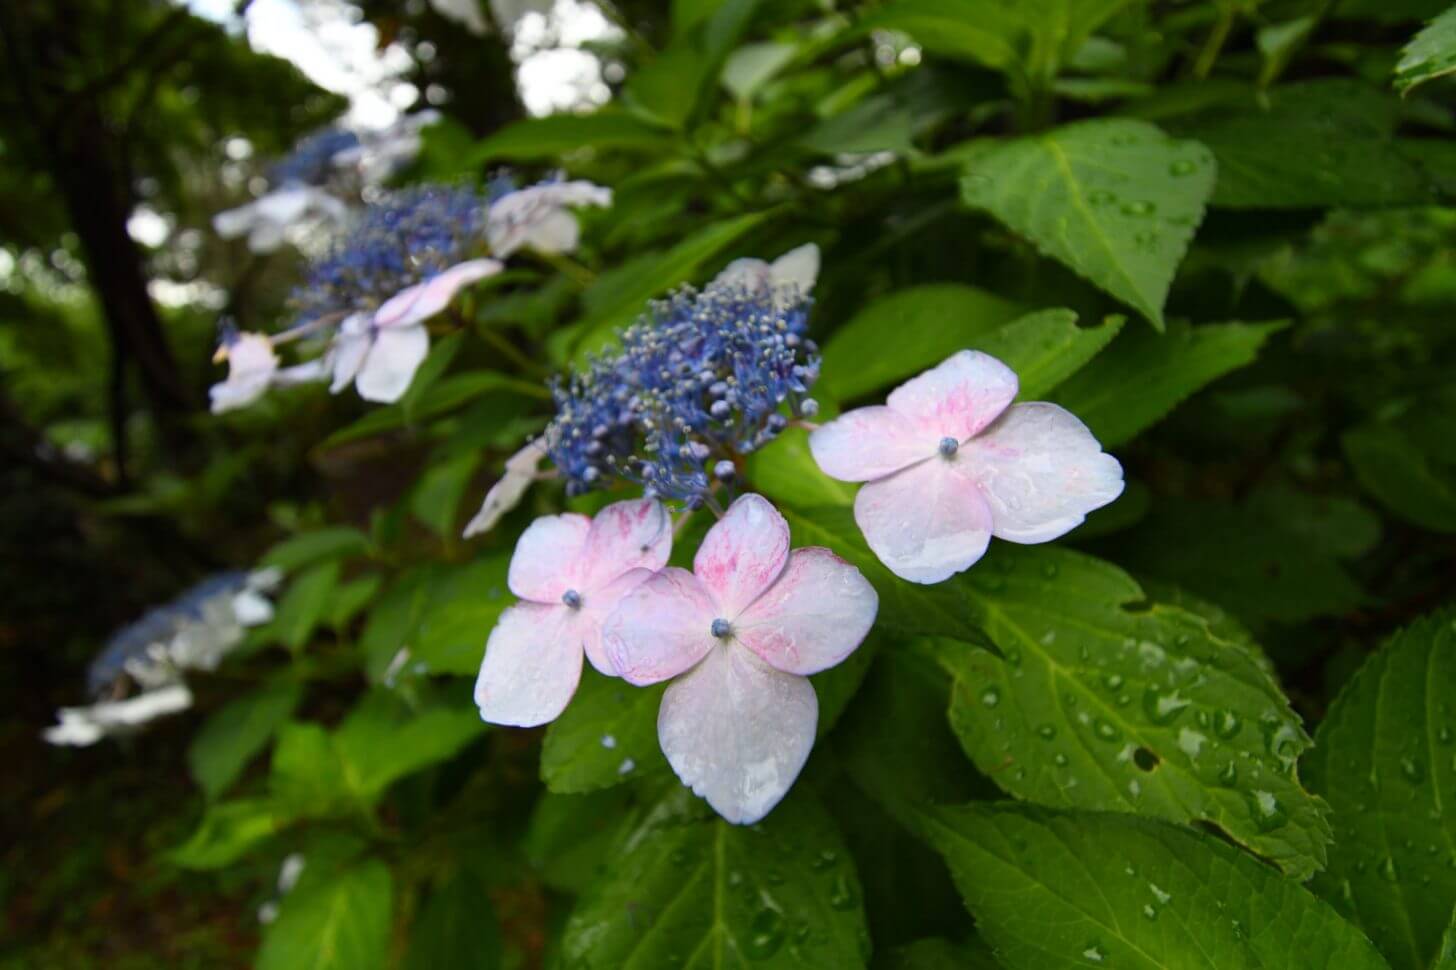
point(948, 461)
point(402, 263)
point(700, 381)
point(569, 571)
point(296, 195)
point(253, 368)
point(150, 656)
point(741, 633)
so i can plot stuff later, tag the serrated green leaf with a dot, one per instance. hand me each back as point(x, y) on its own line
point(1328, 142)
point(1103, 700)
point(706, 894)
point(1046, 348)
point(1383, 758)
point(307, 777)
point(228, 831)
point(558, 134)
point(607, 735)
point(903, 333)
point(230, 738)
point(1143, 376)
point(1116, 200)
point(307, 548)
point(342, 923)
point(1430, 54)
point(1077, 889)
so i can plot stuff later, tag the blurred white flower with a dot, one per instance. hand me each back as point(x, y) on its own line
point(790, 278)
point(267, 219)
point(82, 726)
point(251, 365)
point(539, 217)
point(465, 12)
point(380, 154)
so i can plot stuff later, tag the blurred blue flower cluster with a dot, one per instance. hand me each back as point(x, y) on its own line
point(701, 379)
point(406, 237)
point(313, 158)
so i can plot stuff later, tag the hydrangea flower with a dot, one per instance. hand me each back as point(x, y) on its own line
point(949, 461)
point(569, 571)
point(379, 353)
point(379, 154)
point(538, 217)
point(700, 380)
point(253, 369)
point(790, 278)
point(741, 633)
point(314, 158)
point(400, 265)
point(193, 632)
point(266, 221)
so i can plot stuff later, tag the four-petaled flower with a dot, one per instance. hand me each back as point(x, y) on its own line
point(570, 571)
point(538, 217)
point(379, 352)
point(741, 633)
point(949, 462)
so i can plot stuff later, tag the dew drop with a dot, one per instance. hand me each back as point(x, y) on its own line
point(841, 896)
point(1139, 208)
point(1106, 731)
point(1047, 731)
point(765, 934)
point(1182, 167)
point(991, 696)
point(1413, 770)
point(1226, 724)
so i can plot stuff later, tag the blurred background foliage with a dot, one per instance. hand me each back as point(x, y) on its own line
point(1288, 435)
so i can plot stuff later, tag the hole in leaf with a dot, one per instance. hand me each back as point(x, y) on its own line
point(1145, 759)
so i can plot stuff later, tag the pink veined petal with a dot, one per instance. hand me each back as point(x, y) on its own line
point(544, 565)
point(814, 616)
point(738, 732)
point(599, 604)
point(869, 443)
point(415, 304)
point(660, 629)
point(555, 232)
point(532, 665)
point(957, 397)
point(926, 523)
point(1041, 472)
point(351, 346)
point(743, 553)
point(625, 535)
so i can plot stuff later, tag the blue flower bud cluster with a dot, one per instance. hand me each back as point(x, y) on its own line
point(703, 378)
point(405, 238)
point(312, 160)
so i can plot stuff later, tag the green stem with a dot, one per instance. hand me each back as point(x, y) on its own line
point(510, 351)
point(1213, 44)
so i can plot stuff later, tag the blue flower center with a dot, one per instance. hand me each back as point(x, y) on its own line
point(948, 447)
point(721, 628)
point(572, 599)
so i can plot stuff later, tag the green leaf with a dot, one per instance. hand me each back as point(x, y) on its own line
point(383, 739)
point(1383, 759)
point(305, 603)
point(607, 735)
point(787, 473)
point(351, 597)
point(1429, 55)
point(1142, 376)
point(571, 836)
point(439, 398)
point(307, 548)
point(1394, 467)
point(706, 894)
point(307, 776)
point(903, 333)
point(435, 500)
point(941, 954)
point(456, 929)
point(559, 134)
point(1101, 699)
point(752, 66)
point(904, 607)
point(442, 354)
point(614, 301)
point(1114, 199)
point(227, 832)
point(1076, 889)
point(1046, 348)
point(1251, 560)
point(1318, 143)
point(232, 736)
point(342, 923)
point(450, 629)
